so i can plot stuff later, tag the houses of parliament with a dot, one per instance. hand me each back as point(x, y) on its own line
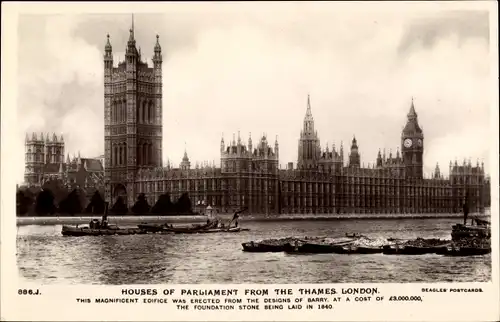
point(321, 181)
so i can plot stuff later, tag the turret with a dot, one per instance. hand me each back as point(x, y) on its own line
point(437, 172)
point(222, 145)
point(379, 159)
point(157, 58)
point(157, 66)
point(78, 162)
point(309, 150)
point(276, 148)
point(250, 146)
point(354, 158)
point(239, 146)
point(342, 152)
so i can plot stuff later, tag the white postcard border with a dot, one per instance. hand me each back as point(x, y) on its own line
point(58, 302)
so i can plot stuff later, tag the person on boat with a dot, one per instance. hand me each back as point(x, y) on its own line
point(104, 223)
point(235, 218)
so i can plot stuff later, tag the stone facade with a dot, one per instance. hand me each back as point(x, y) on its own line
point(250, 176)
point(44, 161)
point(133, 114)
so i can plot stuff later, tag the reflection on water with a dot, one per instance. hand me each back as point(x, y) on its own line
point(44, 255)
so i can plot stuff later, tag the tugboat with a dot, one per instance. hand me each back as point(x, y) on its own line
point(99, 228)
point(469, 240)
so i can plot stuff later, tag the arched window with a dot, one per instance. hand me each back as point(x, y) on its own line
point(124, 111)
point(150, 154)
point(146, 112)
point(113, 155)
point(151, 113)
point(139, 112)
point(118, 112)
point(145, 153)
point(124, 154)
point(139, 154)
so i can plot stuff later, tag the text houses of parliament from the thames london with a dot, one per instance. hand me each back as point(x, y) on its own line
point(322, 181)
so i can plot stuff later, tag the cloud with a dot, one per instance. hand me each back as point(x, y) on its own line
point(426, 32)
point(240, 69)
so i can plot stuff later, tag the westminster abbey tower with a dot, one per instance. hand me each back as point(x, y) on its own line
point(133, 118)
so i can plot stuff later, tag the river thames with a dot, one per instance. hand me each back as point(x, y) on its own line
point(45, 256)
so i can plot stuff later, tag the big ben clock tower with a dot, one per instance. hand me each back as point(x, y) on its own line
point(412, 145)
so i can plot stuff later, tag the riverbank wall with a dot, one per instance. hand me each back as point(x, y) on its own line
point(117, 220)
point(123, 220)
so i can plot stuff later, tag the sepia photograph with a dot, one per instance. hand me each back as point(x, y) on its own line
point(230, 143)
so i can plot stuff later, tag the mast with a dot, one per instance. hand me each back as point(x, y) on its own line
point(466, 205)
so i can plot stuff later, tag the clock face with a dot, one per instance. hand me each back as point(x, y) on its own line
point(420, 142)
point(407, 143)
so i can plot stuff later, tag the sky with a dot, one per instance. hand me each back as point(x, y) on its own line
point(230, 68)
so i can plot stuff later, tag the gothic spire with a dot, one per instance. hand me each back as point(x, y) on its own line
point(412, 114)
point(308, 111)
point(132, 29)
point(108, 47)
point(354, 141)
point(131, 49)
point(157, 45)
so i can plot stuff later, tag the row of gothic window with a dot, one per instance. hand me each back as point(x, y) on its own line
point(145, 154)
point(145, 112)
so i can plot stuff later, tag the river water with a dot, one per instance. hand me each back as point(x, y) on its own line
point(45, 256)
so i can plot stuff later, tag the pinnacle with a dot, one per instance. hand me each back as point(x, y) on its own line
point(412, 113)
point(308, 111)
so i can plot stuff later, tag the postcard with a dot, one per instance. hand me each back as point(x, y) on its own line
point(250, 161)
